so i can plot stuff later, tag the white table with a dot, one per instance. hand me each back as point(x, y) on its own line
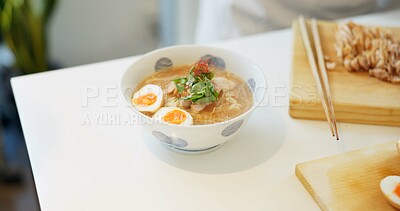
point(109, 166)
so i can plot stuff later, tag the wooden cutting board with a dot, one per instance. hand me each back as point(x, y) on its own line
point(350, 181)
point(357, 97)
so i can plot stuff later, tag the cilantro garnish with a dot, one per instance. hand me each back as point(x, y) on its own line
point(198, 82)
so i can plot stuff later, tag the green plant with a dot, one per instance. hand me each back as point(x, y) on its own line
point(23, 25)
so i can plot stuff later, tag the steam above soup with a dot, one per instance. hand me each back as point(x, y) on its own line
point(193, 94)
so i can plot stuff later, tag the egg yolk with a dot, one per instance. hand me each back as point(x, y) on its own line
point(175, 117)
point(145, 100)
point(397, 190)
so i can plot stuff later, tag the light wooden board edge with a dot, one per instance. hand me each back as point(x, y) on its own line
point(309, 189)
point(368, 115)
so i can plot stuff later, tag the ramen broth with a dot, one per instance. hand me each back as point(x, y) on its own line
point(230, 103)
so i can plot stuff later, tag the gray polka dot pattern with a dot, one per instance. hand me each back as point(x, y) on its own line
point(178, 142)
point(231, 129)
point(162, 137)
point(215, 61)
point(163, 63)
point(174, 141)
point(207, 56)
point(252, 83)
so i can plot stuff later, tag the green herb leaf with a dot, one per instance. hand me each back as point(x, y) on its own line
point(180, 84)
point(209, 75)
point(206, 99)
point(180, 88)
point(193, 97)
point(191, 80)
point(180, 80)
point(198, 87)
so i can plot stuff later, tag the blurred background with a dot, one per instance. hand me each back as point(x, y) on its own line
point(45, 35)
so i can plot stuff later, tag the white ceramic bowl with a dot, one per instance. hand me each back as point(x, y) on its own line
point(193, 138)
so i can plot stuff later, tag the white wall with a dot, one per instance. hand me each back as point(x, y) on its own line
point(86, 31)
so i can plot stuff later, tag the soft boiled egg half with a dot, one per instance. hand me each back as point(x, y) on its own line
point(390, 187)
point(148, 99)
point(173, 115)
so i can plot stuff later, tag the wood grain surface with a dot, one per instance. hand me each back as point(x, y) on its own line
point(357, 97)
point(350, 181)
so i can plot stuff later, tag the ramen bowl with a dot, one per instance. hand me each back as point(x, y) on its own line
point(193, 139)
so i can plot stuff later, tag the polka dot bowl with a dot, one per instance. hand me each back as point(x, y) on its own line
point(193, 139)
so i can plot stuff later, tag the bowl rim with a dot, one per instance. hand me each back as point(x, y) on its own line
point(241, 116)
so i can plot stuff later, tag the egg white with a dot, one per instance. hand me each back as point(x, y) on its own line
point(388, 185)
point(158, 116)
point(149, 88)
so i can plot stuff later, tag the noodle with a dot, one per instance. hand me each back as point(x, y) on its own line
point(230, 104)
